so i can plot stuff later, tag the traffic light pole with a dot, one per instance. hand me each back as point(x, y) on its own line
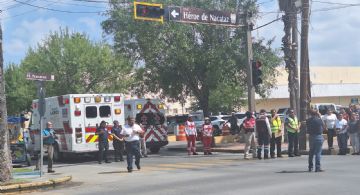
point(249, 54)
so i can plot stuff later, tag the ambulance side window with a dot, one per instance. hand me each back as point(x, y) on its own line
point(105, 111)
point(91, 112)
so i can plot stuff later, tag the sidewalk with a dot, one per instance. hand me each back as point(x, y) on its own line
point(239, 147)
point(26, 179)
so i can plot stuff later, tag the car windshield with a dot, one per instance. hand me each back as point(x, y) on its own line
point(282, 111)
point(226, 118)
point(240, 116)
point(212, 118)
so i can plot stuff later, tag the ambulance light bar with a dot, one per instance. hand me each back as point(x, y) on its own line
point(66, 101)
point(117, 111)
point(87, 99)
point(107, 99)
point(117, 98)
point(161, 106)
point(77, 100)
point(98, 99)
point(139, 106)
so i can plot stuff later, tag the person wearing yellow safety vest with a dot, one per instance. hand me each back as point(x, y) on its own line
point(276, 134)
point(292, 126)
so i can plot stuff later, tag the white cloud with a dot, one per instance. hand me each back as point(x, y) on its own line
point(15, 46)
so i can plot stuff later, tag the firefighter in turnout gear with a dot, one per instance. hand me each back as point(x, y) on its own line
point(207, 131)
point(263, 134)
point(190, 131)
point(276, 134)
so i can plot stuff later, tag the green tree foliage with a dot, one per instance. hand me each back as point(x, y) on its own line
point(79, 66)
point(19, 92)
point(178, 60)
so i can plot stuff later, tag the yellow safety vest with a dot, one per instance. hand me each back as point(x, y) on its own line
point(294, 124)
point(275, 125)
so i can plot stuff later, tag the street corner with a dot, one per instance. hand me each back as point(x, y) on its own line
point(31, 185)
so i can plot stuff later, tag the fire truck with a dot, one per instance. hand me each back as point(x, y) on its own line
point(75, 118)
point(150, 115)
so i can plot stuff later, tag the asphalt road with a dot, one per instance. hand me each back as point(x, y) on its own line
point(176, 173)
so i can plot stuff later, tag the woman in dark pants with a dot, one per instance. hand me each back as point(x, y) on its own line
point(315, 127)
point(103, 134)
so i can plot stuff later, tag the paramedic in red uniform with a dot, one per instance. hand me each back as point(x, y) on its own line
point(190, 131)
point(207, 132)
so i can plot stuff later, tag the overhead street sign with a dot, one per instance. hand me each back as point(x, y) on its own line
point(39, 77)
point(195, 15)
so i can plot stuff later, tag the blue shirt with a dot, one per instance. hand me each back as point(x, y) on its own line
point(50, 140)
point(314, 126)
point(116, 131)
point(103, 137)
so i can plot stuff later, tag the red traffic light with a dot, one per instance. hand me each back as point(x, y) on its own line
point(148, 11)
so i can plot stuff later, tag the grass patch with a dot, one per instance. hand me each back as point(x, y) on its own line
point(21, 170)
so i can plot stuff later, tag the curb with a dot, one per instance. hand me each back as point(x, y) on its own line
point(33, 185)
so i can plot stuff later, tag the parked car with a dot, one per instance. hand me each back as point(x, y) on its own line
point(218, 121)
point(241, 117)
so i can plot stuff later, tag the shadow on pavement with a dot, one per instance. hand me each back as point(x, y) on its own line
point(292, 172)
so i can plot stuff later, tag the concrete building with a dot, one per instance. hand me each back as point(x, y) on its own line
point(338, 85)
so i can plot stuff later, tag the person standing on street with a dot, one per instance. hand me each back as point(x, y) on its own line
point(118, 143)
point(315, 127)
point(207, 134)
point(49, 141)
point(276, 134)
point(342, 138)
point(131, 133)
point(190, 131)
point(249, 127)
point(353, 131)
point(263, 134)
point(234, 124)
point(330, 121)
point(103, 134)
point(292, 126)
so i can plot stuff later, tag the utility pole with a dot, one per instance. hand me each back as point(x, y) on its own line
point(305, 95)
point(249, 57)
point(5, 157)
point(290, 44)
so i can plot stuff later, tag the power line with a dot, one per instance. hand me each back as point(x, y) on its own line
point(277, 19)
point(332, 3)
point(57, 10)
point(75, 4)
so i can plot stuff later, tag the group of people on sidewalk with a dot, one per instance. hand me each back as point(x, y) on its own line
point(267, 132)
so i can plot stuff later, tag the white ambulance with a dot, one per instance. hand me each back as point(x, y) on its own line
point(150, 114)
point(75, 118)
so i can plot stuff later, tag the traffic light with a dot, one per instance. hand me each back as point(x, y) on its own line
point(148, 11)
point(256, 73)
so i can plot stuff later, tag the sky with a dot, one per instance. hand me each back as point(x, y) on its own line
point(333, 34)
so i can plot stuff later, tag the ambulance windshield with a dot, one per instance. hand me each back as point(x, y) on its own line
point(150, 118)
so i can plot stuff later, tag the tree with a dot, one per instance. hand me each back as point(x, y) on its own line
point(20, 92)
point(5, 158)
point(79, 65)
point(179, 60)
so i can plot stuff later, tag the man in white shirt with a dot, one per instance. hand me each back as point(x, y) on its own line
point(330, 122)
point(341, 130)
point(131, 133)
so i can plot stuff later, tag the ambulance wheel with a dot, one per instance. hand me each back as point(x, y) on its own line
point(57, 154)
point(155, 150)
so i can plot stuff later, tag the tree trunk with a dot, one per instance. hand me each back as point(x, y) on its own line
point(5, 157)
